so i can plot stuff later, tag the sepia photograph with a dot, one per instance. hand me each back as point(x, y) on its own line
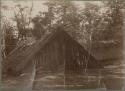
point(62, 45)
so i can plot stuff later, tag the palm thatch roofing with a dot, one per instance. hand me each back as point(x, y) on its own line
point(21, 56)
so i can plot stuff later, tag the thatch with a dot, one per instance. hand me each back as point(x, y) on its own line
point(21, 56)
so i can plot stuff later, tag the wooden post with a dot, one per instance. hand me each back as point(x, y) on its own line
point(0, 60)
point(0, 52)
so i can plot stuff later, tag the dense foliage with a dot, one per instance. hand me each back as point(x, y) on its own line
point(88, 25)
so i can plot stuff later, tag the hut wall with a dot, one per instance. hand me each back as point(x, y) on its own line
point(75, 57)
point(51, 57)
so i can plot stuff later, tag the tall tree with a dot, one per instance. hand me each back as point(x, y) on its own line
point(60, 13)
point(22, 17)
point(89, 24)
point(113, 21)
point(9, 40)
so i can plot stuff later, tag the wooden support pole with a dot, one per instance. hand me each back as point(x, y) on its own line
point(0, 51)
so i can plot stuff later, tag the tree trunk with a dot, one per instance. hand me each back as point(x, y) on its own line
point(1, 55)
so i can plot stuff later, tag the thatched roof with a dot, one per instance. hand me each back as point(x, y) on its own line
point(20, 57)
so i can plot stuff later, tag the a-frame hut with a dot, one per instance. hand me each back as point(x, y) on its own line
point(58, 52)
